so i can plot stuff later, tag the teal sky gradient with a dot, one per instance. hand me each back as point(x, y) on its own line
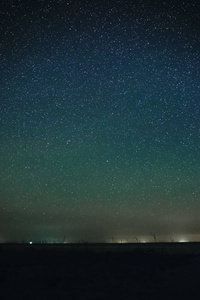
point(100, 120)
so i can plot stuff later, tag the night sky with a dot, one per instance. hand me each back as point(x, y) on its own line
point(99, 120)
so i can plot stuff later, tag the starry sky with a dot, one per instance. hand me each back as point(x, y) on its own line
point(99, 120)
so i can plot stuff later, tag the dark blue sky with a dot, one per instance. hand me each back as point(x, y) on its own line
point(100, 120)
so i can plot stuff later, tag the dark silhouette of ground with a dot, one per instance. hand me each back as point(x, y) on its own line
point(40, 273)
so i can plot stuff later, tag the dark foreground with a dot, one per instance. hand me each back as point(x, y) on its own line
point(100, 272)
